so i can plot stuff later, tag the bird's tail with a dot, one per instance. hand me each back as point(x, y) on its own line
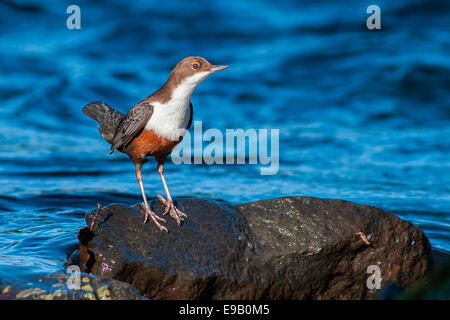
point(108, 117)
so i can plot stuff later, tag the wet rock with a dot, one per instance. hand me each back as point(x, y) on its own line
point(435, 286)
point(54, 287)
point(286, 248)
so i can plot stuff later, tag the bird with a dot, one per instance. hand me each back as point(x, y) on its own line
point(155, 126)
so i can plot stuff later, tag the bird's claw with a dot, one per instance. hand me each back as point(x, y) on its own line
point(156, 219)
point(175, 213)
point(364, 238)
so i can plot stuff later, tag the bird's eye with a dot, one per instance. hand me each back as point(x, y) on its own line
point(195, 66)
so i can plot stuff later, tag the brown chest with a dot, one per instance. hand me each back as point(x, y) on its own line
point(148, 143)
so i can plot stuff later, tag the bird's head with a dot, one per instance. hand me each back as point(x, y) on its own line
point(191, 71)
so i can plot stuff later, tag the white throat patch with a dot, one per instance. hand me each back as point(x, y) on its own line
point(170, 120)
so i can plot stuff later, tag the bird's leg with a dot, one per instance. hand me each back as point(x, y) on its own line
point(170, 207)
point(148, 211)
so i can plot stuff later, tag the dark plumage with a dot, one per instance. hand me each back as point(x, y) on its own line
point(108, 117)
point(133, 123)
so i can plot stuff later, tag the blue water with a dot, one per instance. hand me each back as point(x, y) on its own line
point(363, 115)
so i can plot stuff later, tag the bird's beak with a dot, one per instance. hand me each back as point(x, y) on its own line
point(217, 68)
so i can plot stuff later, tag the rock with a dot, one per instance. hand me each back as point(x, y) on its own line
point(286, 248)
point(54, 287)
point(6, 289)
point(30, 293)
point(435, 286)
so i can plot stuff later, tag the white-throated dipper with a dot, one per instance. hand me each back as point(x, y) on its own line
point(154, 126)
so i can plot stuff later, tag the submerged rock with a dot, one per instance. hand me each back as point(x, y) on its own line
point(286, 248)
point(54, 287)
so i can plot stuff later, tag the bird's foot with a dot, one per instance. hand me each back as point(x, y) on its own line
point(156, 219)
point(174, 211)
point(364, 238)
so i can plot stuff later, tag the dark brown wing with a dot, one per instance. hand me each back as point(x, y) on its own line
point(192, 114)
point(133, 123)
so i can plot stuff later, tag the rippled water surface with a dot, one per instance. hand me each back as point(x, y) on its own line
point(363, 115)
